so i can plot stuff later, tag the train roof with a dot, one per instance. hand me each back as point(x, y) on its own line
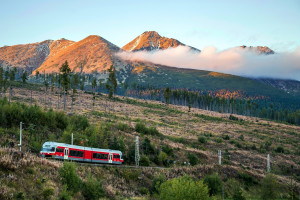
point(80, 147)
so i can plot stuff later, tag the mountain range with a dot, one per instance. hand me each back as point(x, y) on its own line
point(94, 55)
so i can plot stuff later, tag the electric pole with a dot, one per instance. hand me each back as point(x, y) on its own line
point(137, 153)
point(220, 156)
point(268, 163)
point(72, 139)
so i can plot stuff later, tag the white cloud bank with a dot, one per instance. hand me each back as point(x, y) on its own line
point(235, 61)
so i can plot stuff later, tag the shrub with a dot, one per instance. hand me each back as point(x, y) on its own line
point(238, 195)
point(92, 189)
point(183, 188)
point(214, 184)
point(144, 160)
point(162, 158)
point(253, 147)
point(141, 128)
point(19, 196)
point(269, 187)
point(79, 122)
point(248, 179)
point(238, 145)
point(48, 192)
point(219, 140)
point(64, 194)
point(35, 146)
point(192, 159)
point(69, 176)
point(157, 181)
point(280, 149)
point(202, 139)
point(231, 117)
point(123, 127)
point(226, 137)
point(168, 150)
point(241, 137)
point(233, 190)
point(144, 191)
point(152, 131)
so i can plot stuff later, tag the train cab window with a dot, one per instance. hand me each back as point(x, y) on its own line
point(52, 149)
point(59, 150)
point(100, 156)
point(76, 153)
point(117, 156)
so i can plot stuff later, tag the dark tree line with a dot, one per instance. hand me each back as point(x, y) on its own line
point(263, 108)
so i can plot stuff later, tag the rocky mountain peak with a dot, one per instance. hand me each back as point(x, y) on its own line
point(151, 40)
point(259, 49)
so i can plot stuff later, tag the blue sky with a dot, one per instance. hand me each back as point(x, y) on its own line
point(223, 24)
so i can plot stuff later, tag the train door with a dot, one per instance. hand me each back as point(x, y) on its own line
point(66, 153)
point(110, 158)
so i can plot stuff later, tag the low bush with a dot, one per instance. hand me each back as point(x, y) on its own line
point(123, 127)
point(279, 149)
point(141, 128)
point(269, 187)
point(92, 189)
point(183, 188)
point(162, 158)
point(157, 181)
point(214, 184)
point(233, 189)
point(69, 177)
point(226, 137)
point(193, 160)
point(144, 191)
point(231, 117)
point(219, 140)
point(248, 179)
point(48, 192)
point(144, 160)
point(202, 139)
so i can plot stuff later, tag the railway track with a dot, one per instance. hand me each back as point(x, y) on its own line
point(119, 166)
point(108, 165)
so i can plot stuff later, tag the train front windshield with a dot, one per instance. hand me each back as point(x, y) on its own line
point(48, 149)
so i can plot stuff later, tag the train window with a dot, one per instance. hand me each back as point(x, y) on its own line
point(117, 156)
point(100, 156)
point(52, 149)
point(76, 153)
point(60, 150)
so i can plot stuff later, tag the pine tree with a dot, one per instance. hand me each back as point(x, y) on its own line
point(94, 86)
point(167, 94)
point(24, 76)
point(65, 79)
point(12, 74)
point(111, 84)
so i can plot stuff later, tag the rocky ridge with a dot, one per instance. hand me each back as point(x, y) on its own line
point(151, 40)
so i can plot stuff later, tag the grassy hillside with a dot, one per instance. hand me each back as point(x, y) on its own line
point(170, 137)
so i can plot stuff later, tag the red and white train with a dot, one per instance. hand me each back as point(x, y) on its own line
point(79, 153)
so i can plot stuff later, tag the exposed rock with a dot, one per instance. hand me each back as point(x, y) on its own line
point(90, 55)
point(260, 49)
point(151, 40)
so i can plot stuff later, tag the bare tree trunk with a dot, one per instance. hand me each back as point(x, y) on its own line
point(58, 94)
point(105, 104)
point(50, 98)
point(65, 100)
point(10, 94)
point(45, 101)
point(31, 97)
